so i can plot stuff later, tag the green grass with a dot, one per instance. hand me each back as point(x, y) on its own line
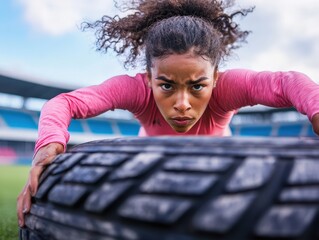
point(12, 180)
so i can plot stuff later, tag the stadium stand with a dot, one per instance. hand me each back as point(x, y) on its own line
point(14, 122)
point(18, 119)
point(18, 126)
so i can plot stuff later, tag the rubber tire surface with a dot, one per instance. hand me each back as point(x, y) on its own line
point(180, 188)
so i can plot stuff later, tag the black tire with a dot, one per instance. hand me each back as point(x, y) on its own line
point(180, 188)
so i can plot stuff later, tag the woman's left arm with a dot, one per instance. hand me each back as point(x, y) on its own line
point(239, 88)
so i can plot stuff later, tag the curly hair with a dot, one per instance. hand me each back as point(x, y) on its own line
point(161, 27)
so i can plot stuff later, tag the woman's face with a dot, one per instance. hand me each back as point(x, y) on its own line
point(182, 86)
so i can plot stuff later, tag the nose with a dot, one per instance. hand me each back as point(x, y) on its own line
point(182, 103)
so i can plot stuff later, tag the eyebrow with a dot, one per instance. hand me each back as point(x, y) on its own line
point(188, 82)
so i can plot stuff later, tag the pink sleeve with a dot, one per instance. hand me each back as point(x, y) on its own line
point(121, 92)
point(239, 88)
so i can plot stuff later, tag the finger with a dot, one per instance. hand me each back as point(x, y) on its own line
point(34, 178)
point(40, 161)
point(315, 123)
point(20, 205)
point(20, 210)
point(27, 201)
point(315, 130)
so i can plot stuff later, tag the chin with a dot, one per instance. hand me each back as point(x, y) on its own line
point(181, 130)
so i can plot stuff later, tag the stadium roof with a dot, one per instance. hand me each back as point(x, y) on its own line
point(29, 89)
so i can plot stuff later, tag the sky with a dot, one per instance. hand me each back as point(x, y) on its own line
point(40, 40)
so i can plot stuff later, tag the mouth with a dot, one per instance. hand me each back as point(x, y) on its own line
point(182, 121)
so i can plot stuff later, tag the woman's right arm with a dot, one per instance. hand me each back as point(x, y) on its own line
point(121, 92)
point(56, 114)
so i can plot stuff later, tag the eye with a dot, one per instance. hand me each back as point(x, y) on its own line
point(197, 87)
point(166, 86)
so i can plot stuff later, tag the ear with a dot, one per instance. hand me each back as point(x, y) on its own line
point(149, 78)
point(215, 76)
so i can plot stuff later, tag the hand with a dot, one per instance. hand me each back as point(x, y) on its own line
point(43, 157)
point(315, 123)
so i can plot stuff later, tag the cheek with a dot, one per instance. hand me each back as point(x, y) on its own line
point(156, 93)
point(200, 104)
point(163, 103)
point(161, 100)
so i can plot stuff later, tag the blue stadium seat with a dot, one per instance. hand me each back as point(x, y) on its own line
point(24, 161)
point(76, 126)
point(290, 130)
point(100, 127)
point(233, 130)
point(128, 128)
point(18, 119)
point(262, 130)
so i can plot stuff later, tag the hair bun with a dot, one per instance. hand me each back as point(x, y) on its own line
point(127, 34)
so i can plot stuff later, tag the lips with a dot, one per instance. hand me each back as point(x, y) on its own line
point(182, 121)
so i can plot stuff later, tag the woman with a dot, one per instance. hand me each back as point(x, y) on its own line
point(182, 91)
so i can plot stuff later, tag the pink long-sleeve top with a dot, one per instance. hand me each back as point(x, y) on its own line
point(235, 89)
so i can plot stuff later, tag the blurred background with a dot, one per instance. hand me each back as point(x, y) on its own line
point(44, 52)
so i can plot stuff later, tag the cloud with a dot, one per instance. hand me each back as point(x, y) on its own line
point(284, 36)
point(56, 17)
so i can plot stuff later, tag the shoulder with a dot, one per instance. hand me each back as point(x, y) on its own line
point(139, 78)
point(125, 82)
point(232, 89)
point(235, 74)
point(242, 78)
point(232, 78)
point(242, 75)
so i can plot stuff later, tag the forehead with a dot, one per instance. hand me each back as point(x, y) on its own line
point(182, 64)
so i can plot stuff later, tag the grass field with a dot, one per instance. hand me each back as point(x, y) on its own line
point(12, 179)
